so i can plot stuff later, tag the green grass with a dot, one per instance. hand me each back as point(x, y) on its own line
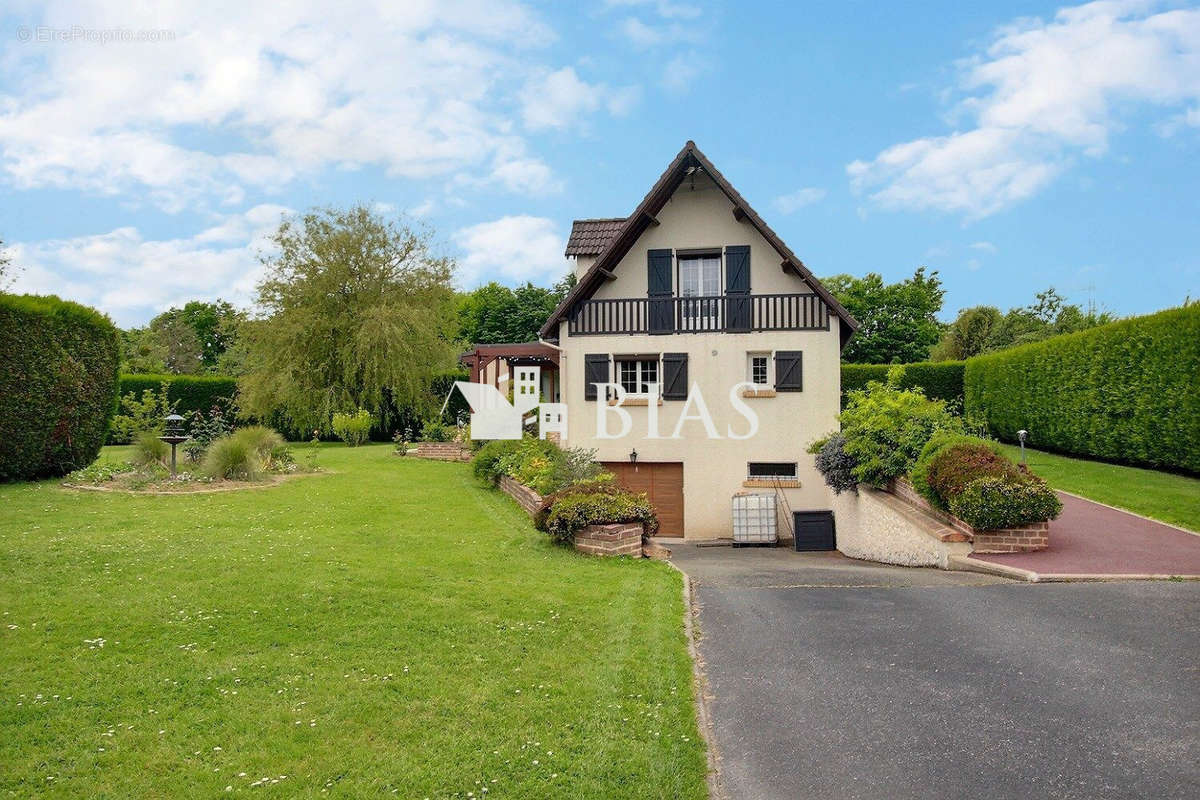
point(389, 629)
point(1161, 495)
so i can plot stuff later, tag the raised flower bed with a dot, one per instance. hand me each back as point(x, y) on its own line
point(1017, 539)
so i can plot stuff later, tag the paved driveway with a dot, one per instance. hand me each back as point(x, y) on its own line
point(1090, 538)
point(834, 678)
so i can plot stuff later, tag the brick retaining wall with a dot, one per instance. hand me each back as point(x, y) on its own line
point(1023, 539)
point(443, 451)
point(526, 498)
point(615, 539)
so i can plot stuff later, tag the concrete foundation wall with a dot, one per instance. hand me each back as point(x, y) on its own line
point(878, 526)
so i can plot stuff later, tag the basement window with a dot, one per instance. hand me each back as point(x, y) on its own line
point(770, 470)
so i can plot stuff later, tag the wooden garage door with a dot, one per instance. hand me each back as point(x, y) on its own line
point(662, 483)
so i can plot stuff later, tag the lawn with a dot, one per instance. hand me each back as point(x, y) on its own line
point(386, 629)
point(1162, 495)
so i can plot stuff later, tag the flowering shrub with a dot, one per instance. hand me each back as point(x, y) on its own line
point(539, 464)
point(950, 461)
point(997, 502)
point(602, 483)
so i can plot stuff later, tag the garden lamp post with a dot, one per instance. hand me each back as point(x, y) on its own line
point(1021, 434)
point(173, 435)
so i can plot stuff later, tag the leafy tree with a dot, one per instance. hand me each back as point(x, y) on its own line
point(357, 313)
point(142, 351)
point(898, 320)
point(983, 329)
point(7, 273)
point(195, 337)
point(493, 313)
point(183, 354)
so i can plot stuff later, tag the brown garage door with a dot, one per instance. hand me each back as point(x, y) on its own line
point(662, 483)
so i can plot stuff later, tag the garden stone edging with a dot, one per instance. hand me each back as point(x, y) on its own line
point(612, 539)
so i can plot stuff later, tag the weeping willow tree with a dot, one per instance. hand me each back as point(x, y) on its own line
point(356, 312)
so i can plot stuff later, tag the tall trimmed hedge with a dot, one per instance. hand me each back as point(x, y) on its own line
point(941, 380)
point(1127, 392)
point(58, 385)
point(192, 392)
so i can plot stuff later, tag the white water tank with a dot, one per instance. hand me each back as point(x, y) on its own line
point(754, 518)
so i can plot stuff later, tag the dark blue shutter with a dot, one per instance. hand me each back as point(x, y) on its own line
point(789, 371)
point(737, 288)
point(595, 370)
point(675, 376)
point(658, 282)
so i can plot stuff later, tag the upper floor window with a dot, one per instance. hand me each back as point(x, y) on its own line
point(636, 375)
point(700, 276)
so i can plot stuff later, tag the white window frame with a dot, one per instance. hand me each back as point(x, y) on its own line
point(770, 379)
point(708, 266)
point(641, 372)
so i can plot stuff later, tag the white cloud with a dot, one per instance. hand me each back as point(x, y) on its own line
point(133, 278)
point(561, 99)
point(791, 203)
point(511, 249)
point(682, 70)
point(986, 247)
point(664, 9)
point(258, 96)
point(1040, 96)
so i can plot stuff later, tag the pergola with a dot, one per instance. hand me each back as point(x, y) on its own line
point(523, 354)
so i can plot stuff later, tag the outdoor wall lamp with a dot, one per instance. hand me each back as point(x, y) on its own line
point(633, 456)
point(1021, 434)
point(173, 435)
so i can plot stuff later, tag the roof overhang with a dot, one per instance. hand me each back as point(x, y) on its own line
point(685, 163)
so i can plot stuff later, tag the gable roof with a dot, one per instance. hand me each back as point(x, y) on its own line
point(589, 237)
point(685, 162)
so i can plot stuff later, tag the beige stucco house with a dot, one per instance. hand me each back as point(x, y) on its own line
point(693, 293)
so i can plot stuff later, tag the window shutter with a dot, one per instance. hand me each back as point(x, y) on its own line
point(675, 376)
point(737, 288)
point(789, 371)
point(595, 370)
point(658, 287)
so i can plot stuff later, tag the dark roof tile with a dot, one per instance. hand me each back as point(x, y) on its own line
point(589, 237)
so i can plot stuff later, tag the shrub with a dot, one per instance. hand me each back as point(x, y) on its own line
point(487, 464)
point(957, 466)
point(205, 429)
point(938, 380)
point(436, 431)
point(939, 442)
point(995, 502)
point(573, 512)
point(353, 429)
point(535, 463)
point(602, 483)
point(836, 464)
point(58, 385)
point(232, 458)
point(140, 415)
point(885, 429)
point(149, 449)
point(268, 447)
point(1123, 392)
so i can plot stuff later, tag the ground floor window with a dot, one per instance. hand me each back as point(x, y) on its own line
point(758, 369)
point(785, 470)
point(636, 375)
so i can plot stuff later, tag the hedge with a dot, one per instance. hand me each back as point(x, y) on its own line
point(58, 385)
point(191, 392)
point(941, 380)
point(1127, 392)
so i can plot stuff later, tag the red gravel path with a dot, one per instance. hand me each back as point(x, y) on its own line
point(1090, 538)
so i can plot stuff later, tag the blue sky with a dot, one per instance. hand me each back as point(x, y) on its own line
point(1010, 146)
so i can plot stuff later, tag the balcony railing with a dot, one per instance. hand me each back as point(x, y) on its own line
point(716, 314)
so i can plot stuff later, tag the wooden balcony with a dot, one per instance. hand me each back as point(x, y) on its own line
point(717, 314)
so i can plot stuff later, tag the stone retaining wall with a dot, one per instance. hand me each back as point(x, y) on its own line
point(443, 451)
point(879, 526)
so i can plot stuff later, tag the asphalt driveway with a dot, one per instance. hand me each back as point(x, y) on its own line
point(829, 677)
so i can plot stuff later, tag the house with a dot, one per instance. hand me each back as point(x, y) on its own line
point(692, 294)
